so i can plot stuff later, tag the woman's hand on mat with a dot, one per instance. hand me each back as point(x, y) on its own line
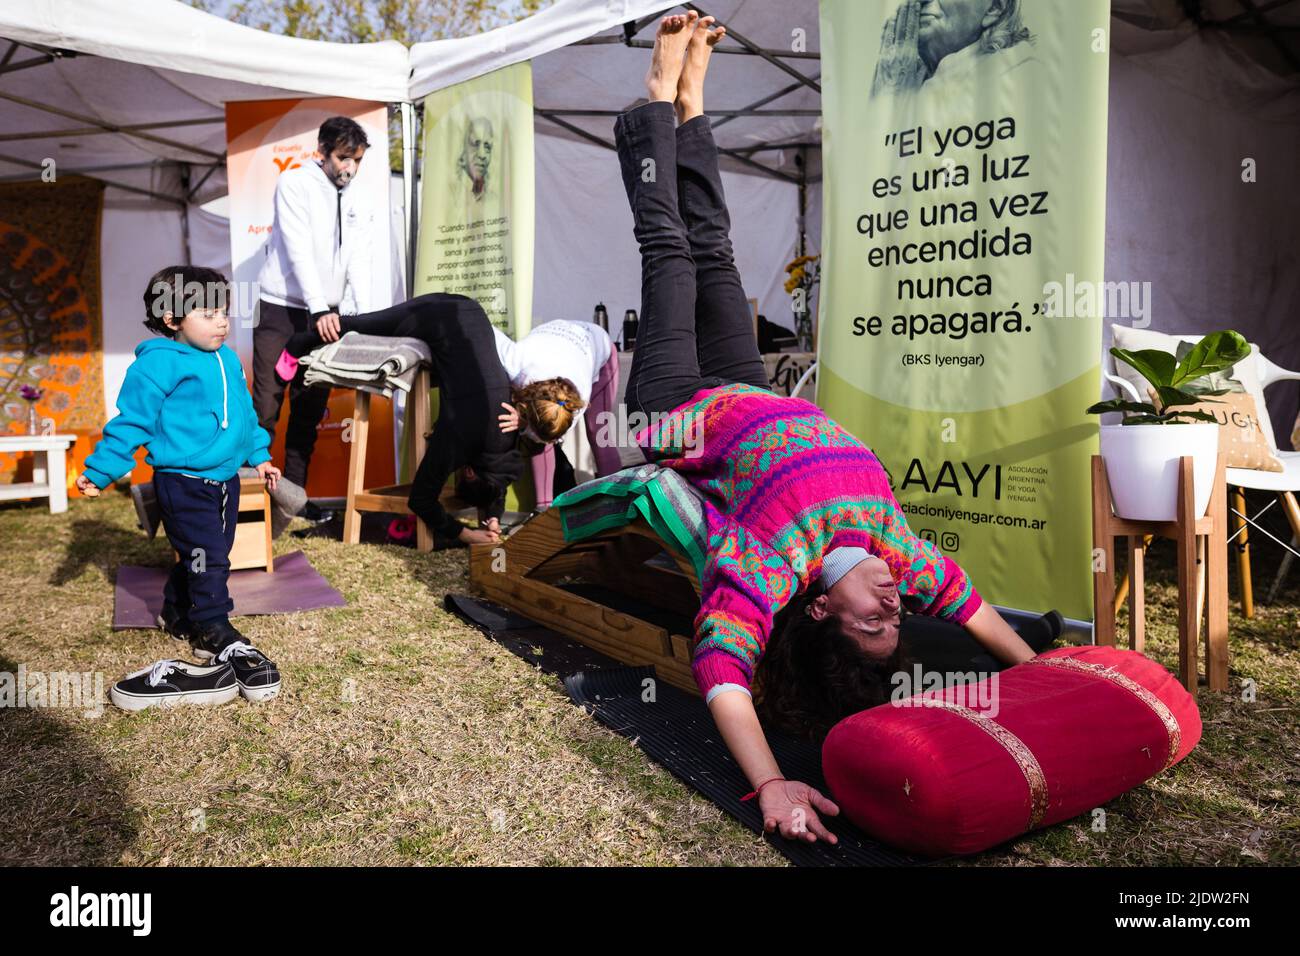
point(269, 474)
point(328, 327)
point(87, 487)
point(510, 420)
point(792, 807)
point(479, 536)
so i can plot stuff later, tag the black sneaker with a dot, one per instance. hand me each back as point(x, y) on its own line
point(209, 638)
point(315, 513)
point(176, 623)
point(172, 683)
point(257, 675)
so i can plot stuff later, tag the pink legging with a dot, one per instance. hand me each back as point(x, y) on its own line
point(603, 394)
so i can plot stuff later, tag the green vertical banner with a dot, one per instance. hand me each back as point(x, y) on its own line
point(476, 195)
point(964, 190)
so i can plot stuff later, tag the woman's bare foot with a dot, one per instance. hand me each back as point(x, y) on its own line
point(666, 60)
point(690, 88)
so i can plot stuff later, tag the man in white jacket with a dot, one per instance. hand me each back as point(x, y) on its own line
point(317, 259)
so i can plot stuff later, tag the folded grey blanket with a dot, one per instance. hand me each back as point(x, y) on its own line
point(372, 363)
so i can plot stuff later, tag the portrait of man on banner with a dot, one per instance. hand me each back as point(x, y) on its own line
point(928, 42)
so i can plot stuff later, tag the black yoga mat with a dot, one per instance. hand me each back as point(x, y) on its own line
point(676, 731)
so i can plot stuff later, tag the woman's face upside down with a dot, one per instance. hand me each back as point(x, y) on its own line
point(865, 601)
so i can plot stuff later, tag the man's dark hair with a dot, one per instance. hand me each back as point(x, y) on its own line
point(339, 132)
point(180, 290)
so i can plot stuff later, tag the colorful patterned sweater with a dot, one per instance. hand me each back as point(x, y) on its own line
point(785, 485)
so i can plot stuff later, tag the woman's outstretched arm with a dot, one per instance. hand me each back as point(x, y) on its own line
point(987, 626)
point(790, 806)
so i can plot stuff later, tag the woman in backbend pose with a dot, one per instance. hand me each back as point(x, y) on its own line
point(800, 513)
point(472, 386)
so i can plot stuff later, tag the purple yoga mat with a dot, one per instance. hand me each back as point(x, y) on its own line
point(294, 586)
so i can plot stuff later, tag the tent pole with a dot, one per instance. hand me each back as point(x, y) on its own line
point(802, 163)
point(37, 167)
point(109, 127)
point(189, 196)
point(411, 226)
point(185, 214)
point(765, 100)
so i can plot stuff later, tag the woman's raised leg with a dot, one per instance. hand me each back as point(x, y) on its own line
point(665, 371)
point(726, 346)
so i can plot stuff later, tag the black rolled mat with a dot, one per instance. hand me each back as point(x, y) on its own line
point(676, 731)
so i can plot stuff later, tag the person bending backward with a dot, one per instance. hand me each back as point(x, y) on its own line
point(800, 513)
point(560, 371)
point(472, 386)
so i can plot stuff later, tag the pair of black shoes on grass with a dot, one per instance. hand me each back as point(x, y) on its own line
point(233, 667)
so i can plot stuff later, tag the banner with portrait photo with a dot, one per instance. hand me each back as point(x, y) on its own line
point(476, 195)
point(965, 159)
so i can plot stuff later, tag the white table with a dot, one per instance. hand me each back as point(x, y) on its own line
point(49, 470)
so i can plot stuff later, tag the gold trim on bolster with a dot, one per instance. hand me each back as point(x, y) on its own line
point(1022, 755)
point(1173, 732)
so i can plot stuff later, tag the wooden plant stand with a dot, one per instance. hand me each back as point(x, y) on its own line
point(522, 572)
point(1195, 537)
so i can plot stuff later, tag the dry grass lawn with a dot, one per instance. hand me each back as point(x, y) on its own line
point(403, 736)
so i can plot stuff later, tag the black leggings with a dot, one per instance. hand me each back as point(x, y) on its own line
point(696, 327)
point(471, 383)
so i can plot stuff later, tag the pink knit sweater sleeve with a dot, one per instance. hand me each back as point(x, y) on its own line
point(929, 582)
point(745, 584)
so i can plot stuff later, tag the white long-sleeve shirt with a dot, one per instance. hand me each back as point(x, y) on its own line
point(560, 348)
point(320, 244)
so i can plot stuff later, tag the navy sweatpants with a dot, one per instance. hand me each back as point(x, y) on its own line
point(199, 516)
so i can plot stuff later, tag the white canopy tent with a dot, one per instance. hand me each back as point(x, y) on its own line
point(133, 94)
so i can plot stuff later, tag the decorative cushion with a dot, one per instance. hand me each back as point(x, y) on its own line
point(961, 770)
point(1245, 372)
point(1241, 438)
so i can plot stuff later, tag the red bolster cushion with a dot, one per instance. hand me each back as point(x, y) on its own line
point(961, 770)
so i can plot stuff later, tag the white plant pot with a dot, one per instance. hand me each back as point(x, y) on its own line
point(1142, 465)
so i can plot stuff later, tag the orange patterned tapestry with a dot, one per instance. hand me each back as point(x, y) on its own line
point(50, 320)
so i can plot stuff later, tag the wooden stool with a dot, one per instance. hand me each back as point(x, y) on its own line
point(391, 497)
point(252, 547)
point(1196, 537)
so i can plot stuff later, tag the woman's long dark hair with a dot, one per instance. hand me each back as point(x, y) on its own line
point(812, 675)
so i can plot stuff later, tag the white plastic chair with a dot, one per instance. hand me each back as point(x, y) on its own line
point(803, 380)
point(1284, 484)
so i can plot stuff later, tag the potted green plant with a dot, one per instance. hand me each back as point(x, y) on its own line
point(1142, 452)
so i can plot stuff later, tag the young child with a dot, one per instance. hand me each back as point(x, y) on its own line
point(185, 399)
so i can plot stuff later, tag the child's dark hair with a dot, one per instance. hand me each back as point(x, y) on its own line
point(180, 290)
point(812, 675)
point(339, 132)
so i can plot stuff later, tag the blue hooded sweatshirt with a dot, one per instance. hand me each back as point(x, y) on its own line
point(191, 408)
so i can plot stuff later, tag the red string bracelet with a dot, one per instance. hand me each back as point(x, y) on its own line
point(753, 793)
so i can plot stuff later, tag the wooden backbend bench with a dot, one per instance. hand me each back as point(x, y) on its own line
point(524, 573)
